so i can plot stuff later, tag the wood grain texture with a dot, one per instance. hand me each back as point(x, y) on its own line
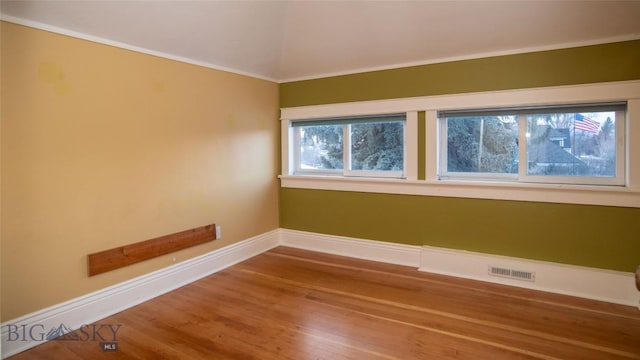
point(116, 258)
point(295, 304)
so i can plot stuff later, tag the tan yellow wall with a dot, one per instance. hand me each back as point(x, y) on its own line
point(103, 147)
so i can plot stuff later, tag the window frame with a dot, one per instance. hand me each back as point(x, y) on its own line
point(347, 123)
point(425, 182)
point(522, 175)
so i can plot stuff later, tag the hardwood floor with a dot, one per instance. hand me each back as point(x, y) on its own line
point(295, 304)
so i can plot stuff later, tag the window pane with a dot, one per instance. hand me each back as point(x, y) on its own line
point(572, 144)
point(321, 147)
point(486, 144)
point(377, 146)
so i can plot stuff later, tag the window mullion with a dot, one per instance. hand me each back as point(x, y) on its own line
point(442, 153)
point(522, 146)
point(621, 146)
point(296, 145)
point(346, 148)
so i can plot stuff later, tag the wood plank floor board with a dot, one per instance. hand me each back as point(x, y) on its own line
point(451, 282)
point(296, 304)
point(478, 333)
point(292, 312)
point(243, 322)
point(517, 306)
point(510, 315)
point(328, 325)
point(223, 325)
point(468, 328)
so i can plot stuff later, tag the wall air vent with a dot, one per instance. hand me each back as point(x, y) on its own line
point(512, 273)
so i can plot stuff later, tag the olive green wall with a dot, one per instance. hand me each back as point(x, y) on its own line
point(588, 64)
point(594, 236)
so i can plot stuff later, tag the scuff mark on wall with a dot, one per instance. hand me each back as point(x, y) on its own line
point(51, 73)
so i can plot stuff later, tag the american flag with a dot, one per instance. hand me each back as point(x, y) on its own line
point(585, 124)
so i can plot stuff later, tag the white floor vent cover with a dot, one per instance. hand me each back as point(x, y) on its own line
point(512, 273)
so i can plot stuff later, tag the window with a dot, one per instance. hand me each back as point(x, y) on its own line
point(575, 144)
point(570, 144)
point(353, 146)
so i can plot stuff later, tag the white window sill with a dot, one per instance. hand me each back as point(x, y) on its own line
point(553, 193)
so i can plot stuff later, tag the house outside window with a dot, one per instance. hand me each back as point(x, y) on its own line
point(569, 144)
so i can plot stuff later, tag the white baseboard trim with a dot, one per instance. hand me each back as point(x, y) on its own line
point(98, 305)
point(392, 253)
point(591, 283)
point(604, 285)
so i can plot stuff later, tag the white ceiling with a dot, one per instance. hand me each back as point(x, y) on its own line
point(289, 40)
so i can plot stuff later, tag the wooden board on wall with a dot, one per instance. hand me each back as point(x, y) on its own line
point(116, 258)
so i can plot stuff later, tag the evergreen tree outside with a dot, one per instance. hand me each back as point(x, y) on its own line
point(604, 164)
point(376, 146)
point(482, 144)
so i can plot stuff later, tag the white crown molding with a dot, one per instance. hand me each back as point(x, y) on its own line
point(79, 35)
point(142, 50)
point(465, 57)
